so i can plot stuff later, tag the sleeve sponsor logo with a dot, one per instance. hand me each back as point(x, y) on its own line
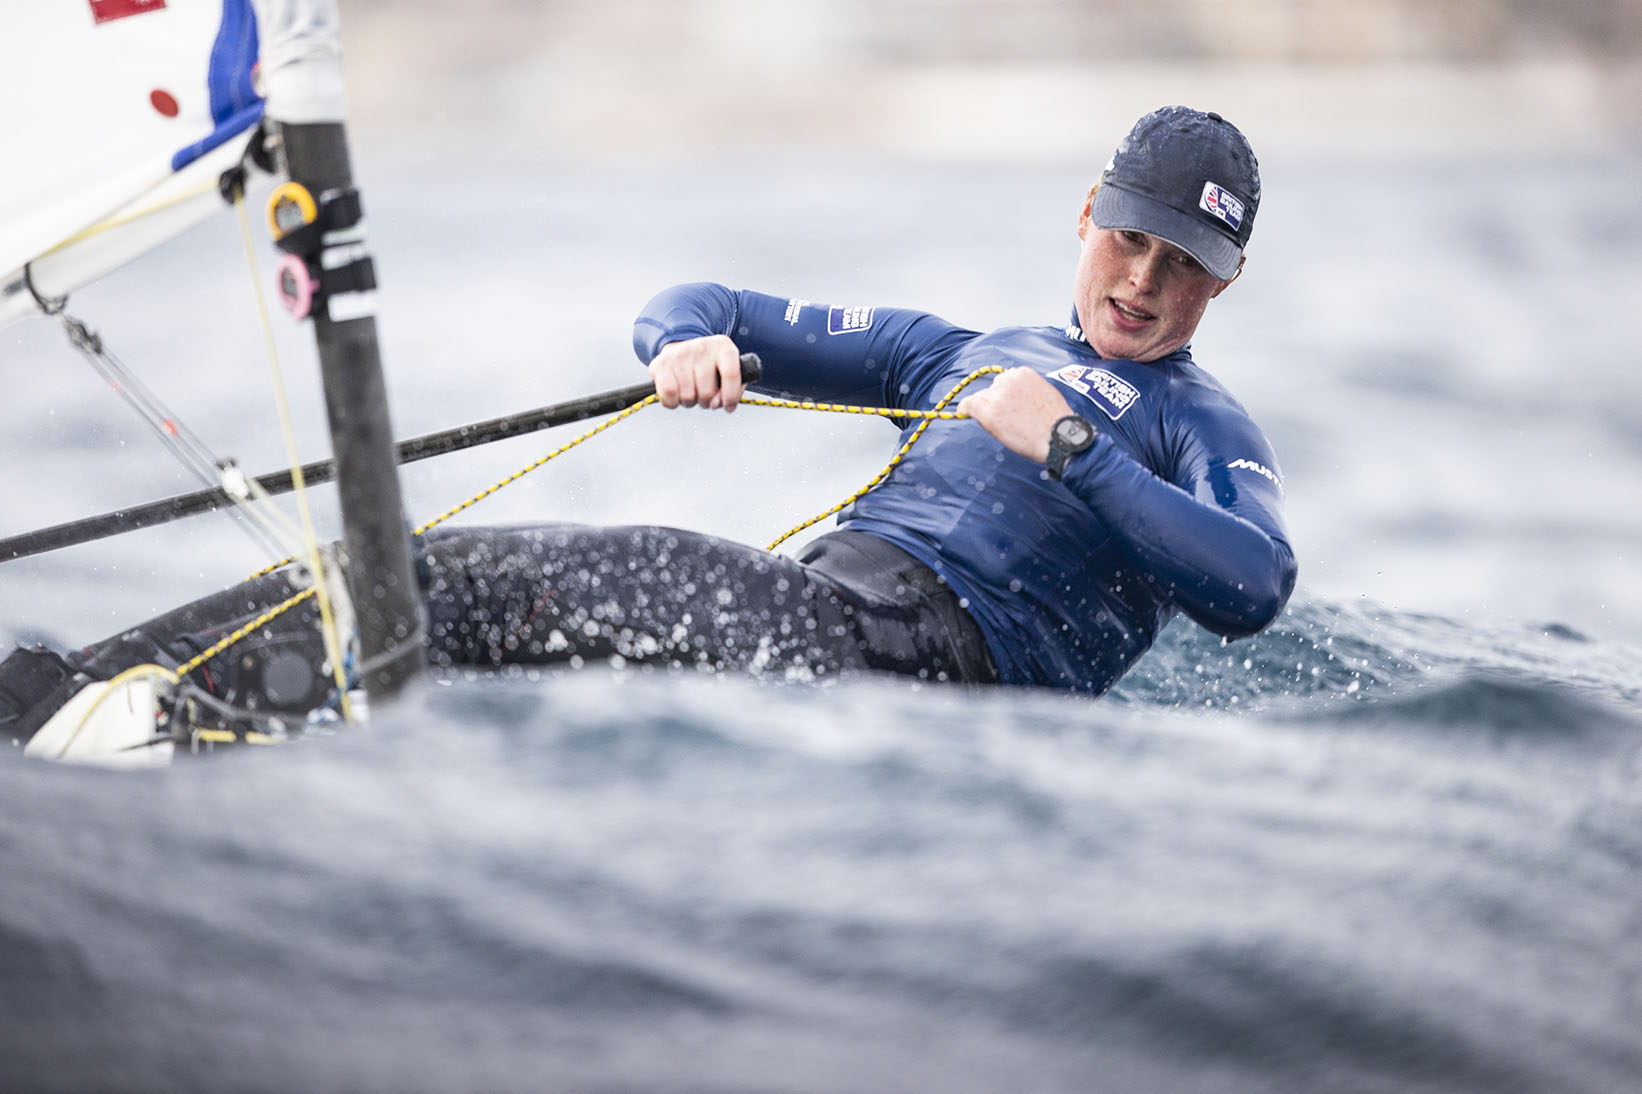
point(849, 320)
point(795, 308)
point(1110, 392)
point(104, 11)
point(1258, 469)
point(1218, 202)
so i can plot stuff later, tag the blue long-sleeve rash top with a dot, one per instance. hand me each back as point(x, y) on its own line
point(1176, 506)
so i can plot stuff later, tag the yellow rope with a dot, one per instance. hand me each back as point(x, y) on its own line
point(262, 620)
point(927, 416)
point(474, 500)
point(229, 737)
point(523, 471)
point(111, 223)
point(327, 620)
point(175, 676)
point(271, 567)
point(879, 411)
point(923, 417)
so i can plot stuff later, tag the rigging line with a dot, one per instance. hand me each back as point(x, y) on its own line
point(879, 411)
point(507, 481)
point(258, 504)
point(173, 434)
point(147, 515)
point(310, 543)
point(940, 412)
point(91, 345)
point(108, 224)
point(523, 471)
point(242, 631)
point(181, 441)
point(924, 417)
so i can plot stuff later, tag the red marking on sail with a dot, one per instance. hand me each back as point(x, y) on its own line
point(164, 102)
point(106, 10)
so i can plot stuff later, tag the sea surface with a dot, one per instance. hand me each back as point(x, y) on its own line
point(1392, 844)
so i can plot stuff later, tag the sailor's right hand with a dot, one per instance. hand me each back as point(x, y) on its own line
point(702, 372)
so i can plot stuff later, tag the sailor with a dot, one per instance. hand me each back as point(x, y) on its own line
point(1105, 482)
point(1101, 482)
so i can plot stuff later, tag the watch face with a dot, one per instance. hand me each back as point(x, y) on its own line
point(1073, 432)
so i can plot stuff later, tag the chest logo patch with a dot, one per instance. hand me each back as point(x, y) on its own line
point(848, 320)
point(1107, 390)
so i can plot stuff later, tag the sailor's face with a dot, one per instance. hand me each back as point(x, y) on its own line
point(1138, 297)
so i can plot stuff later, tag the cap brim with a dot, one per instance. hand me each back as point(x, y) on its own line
point(1121, 210)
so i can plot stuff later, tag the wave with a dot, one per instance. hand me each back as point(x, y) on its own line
point(1325, 653)
point(1366, 850)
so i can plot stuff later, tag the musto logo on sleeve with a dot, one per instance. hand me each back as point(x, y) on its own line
point(1258, 469)
point(848, 320)
point(1110, 392)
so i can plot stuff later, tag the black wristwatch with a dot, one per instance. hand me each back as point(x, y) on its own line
point(1069, 436)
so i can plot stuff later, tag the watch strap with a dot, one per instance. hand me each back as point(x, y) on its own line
point(1060, 452)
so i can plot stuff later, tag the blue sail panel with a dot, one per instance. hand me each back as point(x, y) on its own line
point(235, 105)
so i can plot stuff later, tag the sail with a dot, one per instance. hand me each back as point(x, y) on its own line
point(134, 108)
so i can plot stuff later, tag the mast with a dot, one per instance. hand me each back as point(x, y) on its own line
point(302, 71)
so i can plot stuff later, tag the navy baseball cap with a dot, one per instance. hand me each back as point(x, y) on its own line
point(1187, 177)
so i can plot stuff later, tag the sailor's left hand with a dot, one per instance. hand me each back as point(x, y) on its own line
point(1020, 409)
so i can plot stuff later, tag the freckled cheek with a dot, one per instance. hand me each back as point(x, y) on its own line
point(1185, 310)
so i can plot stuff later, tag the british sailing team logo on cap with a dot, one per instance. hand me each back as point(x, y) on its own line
point(1218, 201)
